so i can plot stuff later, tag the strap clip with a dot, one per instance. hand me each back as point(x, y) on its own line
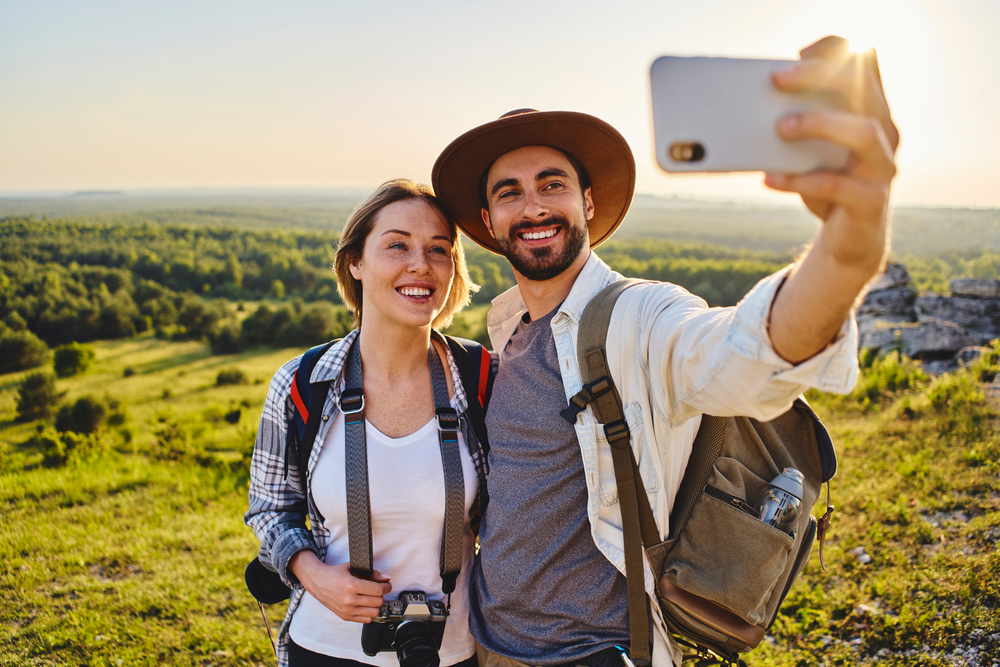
point(447, 420)
point(617, 434)
point(352, 401)
point(579, 402)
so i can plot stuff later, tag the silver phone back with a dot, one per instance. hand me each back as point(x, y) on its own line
point(730, 108)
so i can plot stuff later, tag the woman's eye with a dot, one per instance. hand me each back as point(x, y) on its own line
point(397, 245)
point(439, 250)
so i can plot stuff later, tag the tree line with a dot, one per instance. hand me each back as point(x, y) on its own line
point(65, 281)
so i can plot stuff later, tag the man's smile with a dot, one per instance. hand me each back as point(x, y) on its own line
point(533, 236)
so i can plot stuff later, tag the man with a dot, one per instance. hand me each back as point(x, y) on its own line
point(543, 189)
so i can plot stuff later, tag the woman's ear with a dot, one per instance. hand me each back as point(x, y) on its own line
point(356, 269)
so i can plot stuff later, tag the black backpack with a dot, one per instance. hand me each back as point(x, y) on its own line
point(473, 362)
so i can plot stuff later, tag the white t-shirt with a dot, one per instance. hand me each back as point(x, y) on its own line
point(406, 484)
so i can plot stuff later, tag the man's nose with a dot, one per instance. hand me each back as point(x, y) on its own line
point(535, 206)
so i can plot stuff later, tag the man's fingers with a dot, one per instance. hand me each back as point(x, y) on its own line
point(856, 80)
point(831, 47)
point(862, 136)
point(861, 198)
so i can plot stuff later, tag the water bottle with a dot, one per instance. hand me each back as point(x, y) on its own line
point(782, 499)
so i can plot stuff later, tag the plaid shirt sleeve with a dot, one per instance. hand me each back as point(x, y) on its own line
point(278, 508)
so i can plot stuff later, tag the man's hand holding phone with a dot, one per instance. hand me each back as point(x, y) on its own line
point(821, 128)
point(853, 203)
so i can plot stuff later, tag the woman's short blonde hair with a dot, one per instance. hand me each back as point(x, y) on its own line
point(359, 226)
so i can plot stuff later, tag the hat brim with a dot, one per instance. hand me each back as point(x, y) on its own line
point(599, 147)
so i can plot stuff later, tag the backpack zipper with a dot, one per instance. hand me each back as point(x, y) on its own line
point(732, 500)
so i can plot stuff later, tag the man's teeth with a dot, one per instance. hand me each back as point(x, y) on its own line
point(531, 236)
point(414, 291)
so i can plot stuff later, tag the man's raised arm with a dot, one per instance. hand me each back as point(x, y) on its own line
point(853, 204)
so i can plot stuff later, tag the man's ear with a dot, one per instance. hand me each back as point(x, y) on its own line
point(486, 221)
point(588, 204)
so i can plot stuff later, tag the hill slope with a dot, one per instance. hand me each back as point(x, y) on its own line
point(133, 553)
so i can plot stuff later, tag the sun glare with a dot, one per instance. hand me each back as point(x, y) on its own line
point(859, 45)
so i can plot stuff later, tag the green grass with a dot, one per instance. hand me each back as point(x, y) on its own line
point(124, 561)
point(130, 557)
point(918, 490)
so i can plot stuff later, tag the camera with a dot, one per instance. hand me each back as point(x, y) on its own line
point(411, 625)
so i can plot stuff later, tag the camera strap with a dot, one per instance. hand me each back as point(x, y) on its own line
point(359, 530)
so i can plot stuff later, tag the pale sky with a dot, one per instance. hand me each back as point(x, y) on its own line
point(212, 93)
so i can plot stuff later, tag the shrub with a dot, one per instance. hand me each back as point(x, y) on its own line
point(128, 372)
point(73, 359)
point(87, 415)
point(174, 439)
point(230, 376)
point(37, 397)
point(20, 350)
point(58, 448)
point(882, 377)
point(225, 338)
point(233, 416)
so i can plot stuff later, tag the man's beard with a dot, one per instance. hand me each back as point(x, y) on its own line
point(544, 263)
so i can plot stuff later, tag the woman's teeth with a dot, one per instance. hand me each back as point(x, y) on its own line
point(414, 291)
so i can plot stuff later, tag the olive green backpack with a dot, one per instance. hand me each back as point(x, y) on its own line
point(721, 574)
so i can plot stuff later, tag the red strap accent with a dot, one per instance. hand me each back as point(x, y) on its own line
point(297, 400)
point(484, 375)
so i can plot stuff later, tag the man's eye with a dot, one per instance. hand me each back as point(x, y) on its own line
point(507, 194)
point(553, 185)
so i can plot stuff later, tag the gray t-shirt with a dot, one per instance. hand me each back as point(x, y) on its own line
point(541, 591)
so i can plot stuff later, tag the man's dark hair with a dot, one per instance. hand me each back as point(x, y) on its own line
point(582, 177)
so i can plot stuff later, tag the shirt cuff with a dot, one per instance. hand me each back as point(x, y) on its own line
point(834, 369)
point(286, 546)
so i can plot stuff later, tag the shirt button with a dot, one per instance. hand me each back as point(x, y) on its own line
point(326, 417)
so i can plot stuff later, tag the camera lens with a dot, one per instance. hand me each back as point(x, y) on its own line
point(415, 645)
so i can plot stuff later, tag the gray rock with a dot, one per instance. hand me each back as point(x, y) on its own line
point(895, 275)
point(930, 338)
point(968, 355)
point(979, 316)
point(940, 366)
point(976, 288)
point(890, 304)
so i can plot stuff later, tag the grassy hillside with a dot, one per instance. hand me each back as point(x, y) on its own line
point(132, 553)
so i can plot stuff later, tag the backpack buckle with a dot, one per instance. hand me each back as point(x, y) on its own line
point(581, 399)
point(617, 434)
point(447, 420)
point(352, 401)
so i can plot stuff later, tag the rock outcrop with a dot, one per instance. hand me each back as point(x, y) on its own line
point(934, 328)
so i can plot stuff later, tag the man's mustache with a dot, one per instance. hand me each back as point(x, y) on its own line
point(528, 225)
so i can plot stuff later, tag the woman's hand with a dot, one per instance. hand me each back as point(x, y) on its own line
point(347, 596)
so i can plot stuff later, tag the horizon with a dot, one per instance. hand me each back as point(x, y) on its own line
point(360, 192)
point(221, 94)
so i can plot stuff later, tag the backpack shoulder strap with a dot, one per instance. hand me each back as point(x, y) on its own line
point(600, 393)
point(308, 400)
point(474, 363)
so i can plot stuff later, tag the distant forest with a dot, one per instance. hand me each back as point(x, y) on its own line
point(189, 274)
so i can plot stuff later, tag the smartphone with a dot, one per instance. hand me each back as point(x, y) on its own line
point(721, 114)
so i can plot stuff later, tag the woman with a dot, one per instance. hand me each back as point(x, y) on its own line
point(401, 270)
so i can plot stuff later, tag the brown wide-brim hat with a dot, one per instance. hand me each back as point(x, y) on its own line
point(600, 148)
